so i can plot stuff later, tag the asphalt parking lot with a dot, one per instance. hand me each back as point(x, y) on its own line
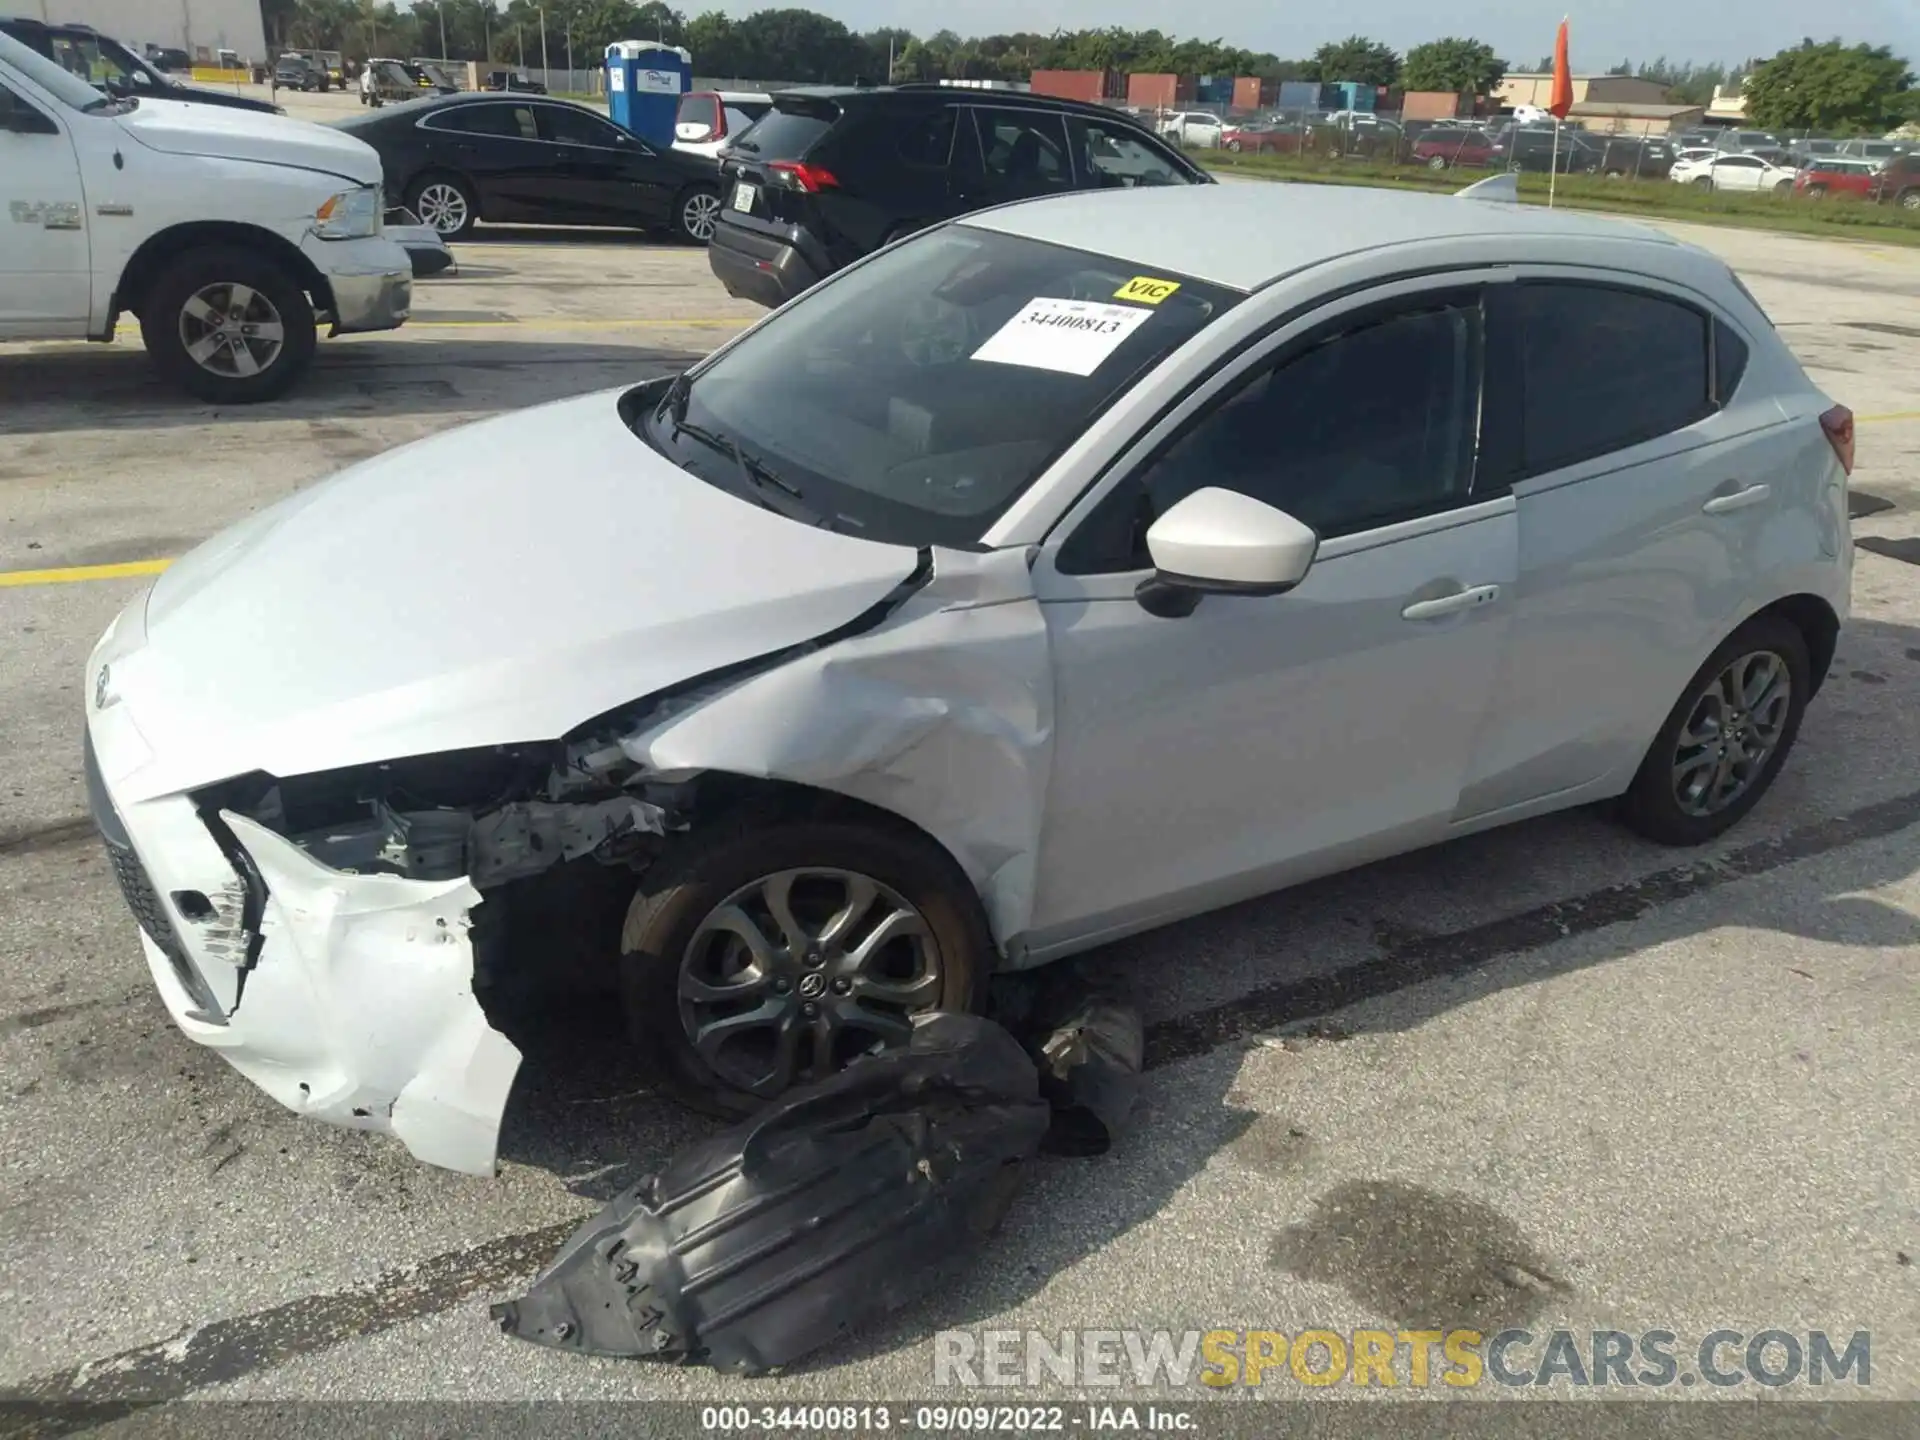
point(1552, 1077)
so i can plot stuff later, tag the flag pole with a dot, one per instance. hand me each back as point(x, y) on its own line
point(1553, 172)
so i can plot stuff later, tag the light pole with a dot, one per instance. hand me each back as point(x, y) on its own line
point(546, 71)
point(440, 9)
point(569, 52)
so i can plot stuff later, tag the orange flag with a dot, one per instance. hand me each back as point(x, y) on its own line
point(1562, 100)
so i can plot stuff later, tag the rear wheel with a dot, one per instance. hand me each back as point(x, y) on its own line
point(696, 213)
point(1909, 199)
point(229, 326)
point(1816, 192)
point(763, 955)
point(1723, 744)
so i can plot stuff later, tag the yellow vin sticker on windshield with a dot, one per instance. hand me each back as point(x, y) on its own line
point(1146, 290)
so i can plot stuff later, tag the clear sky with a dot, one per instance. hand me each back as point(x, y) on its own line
point(1603, 31)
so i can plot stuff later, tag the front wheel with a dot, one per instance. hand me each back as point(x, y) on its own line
point(765, 955)
point(1436, 162)
point(1723, 744)
point(229, 326)
point(696, 214)
point(1909, 200)
point(445, 203)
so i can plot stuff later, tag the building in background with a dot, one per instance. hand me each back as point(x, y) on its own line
point(1537, 90)
point(1604, 117)
point(202, 28)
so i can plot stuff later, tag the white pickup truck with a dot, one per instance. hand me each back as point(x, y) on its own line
point(231, 235)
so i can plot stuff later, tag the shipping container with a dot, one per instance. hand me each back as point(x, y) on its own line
point(1434, 105)
point(1250, 93)
point(1089, 85)
point(1213, 90)
point(1159, 92)
point(1299, 95)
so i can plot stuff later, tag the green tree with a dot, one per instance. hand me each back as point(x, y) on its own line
point(1832, 88)
point(1454, 65)
point(1357, 58)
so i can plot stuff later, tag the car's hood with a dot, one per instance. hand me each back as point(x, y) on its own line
point(180, 127)
point(499, 584)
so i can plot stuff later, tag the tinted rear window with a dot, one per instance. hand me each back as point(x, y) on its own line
point(1605, 368)
point(788, 133)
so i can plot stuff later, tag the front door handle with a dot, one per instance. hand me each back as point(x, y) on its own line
point(1739, 500)
point(1451, 604)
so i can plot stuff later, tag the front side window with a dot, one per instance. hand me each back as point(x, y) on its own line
point(57, 80)
point(1372, 423)
point(913, 399)
point(19, 117)
point(1602, 368)
point(1117, 155)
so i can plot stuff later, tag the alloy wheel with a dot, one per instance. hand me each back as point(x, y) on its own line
point(1723, 748)
point(699, 215)
point(231, 330)
point(443, 207)
point(798, 972)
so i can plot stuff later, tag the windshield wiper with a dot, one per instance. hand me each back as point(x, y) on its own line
point(760, 477)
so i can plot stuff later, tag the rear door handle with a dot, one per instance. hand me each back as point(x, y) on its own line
point(1451, 604)
point(1739, 500)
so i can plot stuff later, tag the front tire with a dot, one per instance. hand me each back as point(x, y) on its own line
point(445, 203)
point(1436, 162)
point(696, 213)
point(766, 953)
point(227, 325)
point(1723, 744)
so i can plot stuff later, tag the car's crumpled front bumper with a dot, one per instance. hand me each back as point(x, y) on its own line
point(348, 998)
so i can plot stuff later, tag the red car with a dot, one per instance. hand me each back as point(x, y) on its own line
point(1826, 175)
point(1443, 149)
point(1280, 138)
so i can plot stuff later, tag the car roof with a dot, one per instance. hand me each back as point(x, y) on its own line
point(920, 90)
point(1250, 234)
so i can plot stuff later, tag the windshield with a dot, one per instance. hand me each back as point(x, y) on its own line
point(915, 398)
point(56, 80)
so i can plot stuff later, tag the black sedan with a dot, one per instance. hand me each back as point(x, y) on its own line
point(533, 160)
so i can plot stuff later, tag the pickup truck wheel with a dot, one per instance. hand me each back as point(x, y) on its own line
point(228, 326)
point(444, 203)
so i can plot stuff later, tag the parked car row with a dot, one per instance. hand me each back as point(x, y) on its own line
point(111, 67)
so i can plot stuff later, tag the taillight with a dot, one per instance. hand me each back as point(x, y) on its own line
point(1838, 424)
point(794, 175)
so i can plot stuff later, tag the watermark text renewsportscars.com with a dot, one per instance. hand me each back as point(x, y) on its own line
point(1458, 1359)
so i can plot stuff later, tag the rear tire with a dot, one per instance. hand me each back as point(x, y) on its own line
point(696, 213)
point(1652, 805)
point(666, 943)
point(188, 322)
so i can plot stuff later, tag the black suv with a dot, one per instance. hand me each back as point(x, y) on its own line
point(1532, 147)
point(830, 175)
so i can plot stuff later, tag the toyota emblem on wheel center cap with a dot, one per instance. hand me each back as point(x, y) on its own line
point(813, 985)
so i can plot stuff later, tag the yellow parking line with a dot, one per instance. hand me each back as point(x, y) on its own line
point(1887, 419)
point(66, 574)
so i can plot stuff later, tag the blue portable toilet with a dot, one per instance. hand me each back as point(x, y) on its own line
point(644, 84)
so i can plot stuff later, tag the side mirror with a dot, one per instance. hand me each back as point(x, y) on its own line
point(1220, 542)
